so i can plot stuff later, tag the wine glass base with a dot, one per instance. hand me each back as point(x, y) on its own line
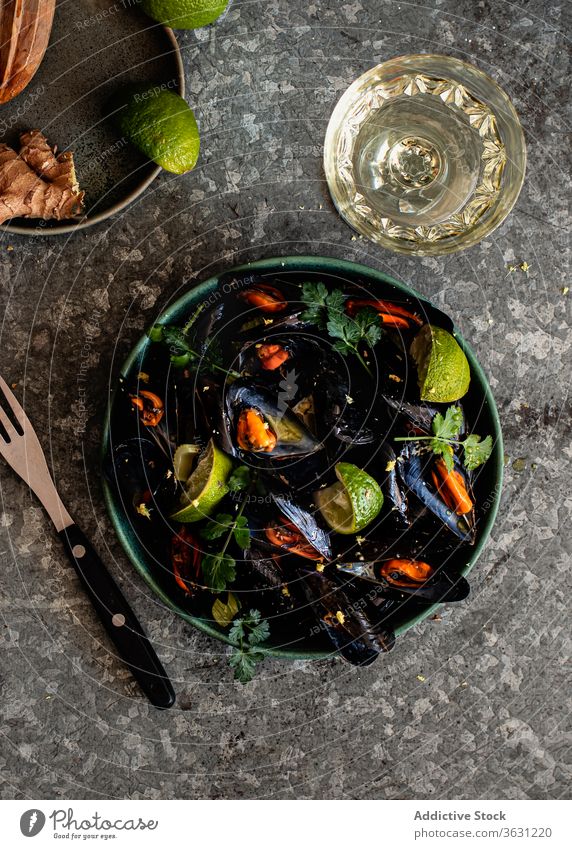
point(424, 154)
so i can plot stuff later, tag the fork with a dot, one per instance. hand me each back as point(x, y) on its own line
point(20, 447)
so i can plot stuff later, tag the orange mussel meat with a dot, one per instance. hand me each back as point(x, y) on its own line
point(452, 488)
point(253, 433)
point(402, 572)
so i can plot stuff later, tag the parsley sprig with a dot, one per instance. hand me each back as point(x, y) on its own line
point(183, 347)
point(247, 633)
point(326, 309)
point(219, 568)
point(444, 440)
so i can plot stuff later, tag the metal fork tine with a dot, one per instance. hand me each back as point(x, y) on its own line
point(14, 405)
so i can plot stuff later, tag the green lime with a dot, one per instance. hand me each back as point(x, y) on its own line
point(184, 14)
point(443, 371)
point(184, 460)
point(162, 125)
point(351, 503)
point(206, 486)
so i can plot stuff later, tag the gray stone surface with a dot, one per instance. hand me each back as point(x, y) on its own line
point(472, 706)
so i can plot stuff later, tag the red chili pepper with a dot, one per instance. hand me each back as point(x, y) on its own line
point(272, 356)
point(391, 314)
point(266, 298)
point(287, 536)
point(150, 407)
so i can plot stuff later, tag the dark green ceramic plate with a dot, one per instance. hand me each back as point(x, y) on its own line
point(479, 403)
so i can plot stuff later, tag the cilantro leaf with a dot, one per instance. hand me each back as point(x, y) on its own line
point(241, 532)
point(476, 452)
point(240, 479)
point(327, 310)
point(259, 633)
point(449, 426)
point(444, 450)
point(314, 296)
point(445, 431)
point(218, 570)
point(335, 302)
point(244, 664)
point(247, 632)
point(217, 526)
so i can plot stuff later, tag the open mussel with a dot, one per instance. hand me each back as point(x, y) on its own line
point(415, 468)
point(263, 425)
point(402, 577)
point(344, 619)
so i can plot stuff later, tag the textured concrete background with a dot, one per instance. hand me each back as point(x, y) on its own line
point(472, 706)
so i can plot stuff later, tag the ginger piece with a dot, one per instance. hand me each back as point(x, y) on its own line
point(37, 183)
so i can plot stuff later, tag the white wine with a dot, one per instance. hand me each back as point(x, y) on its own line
point(424, 154)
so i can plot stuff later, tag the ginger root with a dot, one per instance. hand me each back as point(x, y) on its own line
point(37, 183)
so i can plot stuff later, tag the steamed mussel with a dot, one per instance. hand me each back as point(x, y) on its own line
point(324, 495)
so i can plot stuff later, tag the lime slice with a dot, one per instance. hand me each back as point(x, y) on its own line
point(206, 486)
point(351, 503)
point(184, 460)
point(443, 371)
point(184, 14)
point(161, 124)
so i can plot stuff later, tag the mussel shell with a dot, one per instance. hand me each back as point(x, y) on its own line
point(344, 619)
point(342, 412)
point(306, 523)
point(417, 415)
point(293, 438)
point(414, 470)
point(444, 584)
point(395, 502)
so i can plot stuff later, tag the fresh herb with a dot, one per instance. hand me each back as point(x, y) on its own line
point(219, 568)
point(240, 479)
point(326, 309)
point(476, 451)
point(247, 633)
point(445, 431)
point(184, 349)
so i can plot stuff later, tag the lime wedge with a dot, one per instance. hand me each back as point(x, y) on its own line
point(443, 371)
point(184, 460)
point(206, 486)
point(351, 503)
point(185, 14)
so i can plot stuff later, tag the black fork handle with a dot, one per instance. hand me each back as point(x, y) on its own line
point(118, 619)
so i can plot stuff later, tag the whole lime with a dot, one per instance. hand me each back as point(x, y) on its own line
point(162, 125)
point(185, 14)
